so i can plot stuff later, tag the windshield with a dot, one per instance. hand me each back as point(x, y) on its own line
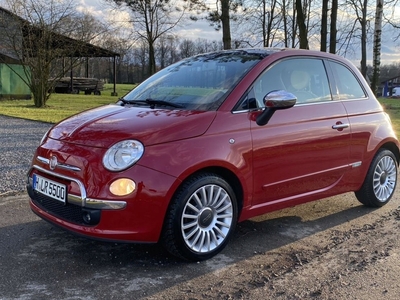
point(198, 83)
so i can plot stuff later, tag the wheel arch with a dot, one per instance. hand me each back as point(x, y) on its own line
point(226, 174)
point(172, 240)
point(391, 146)
point(388, 145)
point(380, 180)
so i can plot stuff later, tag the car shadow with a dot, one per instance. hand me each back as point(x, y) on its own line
point(276, 232)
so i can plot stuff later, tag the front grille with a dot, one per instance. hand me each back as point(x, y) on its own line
point(69, 212)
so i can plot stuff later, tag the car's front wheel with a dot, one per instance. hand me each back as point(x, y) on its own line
point(201, 218)
point(380, 183)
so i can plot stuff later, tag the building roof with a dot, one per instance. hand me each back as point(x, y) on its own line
point(68, 47)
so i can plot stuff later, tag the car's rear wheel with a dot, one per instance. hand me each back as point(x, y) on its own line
point(201, 218)
point(380, 183)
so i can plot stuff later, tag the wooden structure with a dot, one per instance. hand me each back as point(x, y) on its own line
point(87, 85)
point(24, 35)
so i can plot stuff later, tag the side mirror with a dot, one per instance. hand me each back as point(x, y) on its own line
point(273, 101)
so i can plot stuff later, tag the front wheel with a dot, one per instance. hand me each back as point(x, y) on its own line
point(380, 183)
point(201, 218)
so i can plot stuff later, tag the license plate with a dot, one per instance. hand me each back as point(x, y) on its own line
point(50, 188)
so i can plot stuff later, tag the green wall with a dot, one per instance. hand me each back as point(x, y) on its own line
point(11, 85)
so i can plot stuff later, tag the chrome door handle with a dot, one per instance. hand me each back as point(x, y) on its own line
point(340, 126)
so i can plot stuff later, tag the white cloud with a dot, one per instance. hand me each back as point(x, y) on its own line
point(90, 7)
point(199, 29)
point(104, 11)
point(390, 55)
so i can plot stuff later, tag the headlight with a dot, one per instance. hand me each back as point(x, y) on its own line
point(122, 155)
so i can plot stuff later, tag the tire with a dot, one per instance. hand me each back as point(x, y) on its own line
point(201, 218)
point(380, 183)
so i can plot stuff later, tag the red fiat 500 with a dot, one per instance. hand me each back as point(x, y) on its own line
point(212, 140)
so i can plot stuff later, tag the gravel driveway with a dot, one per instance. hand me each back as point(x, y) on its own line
point(18, 141)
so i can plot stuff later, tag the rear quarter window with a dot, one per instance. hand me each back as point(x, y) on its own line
point(347, 85)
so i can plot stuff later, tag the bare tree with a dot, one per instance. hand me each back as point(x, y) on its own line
point(226, 27)
point(187, 48)
point(333, 33)
point(35, 43)
point(270, 23)
point(285, 21)
point(267, 16)
point(152, 19)
point(392, 18)
point(221, 17)
point(324, 25)
point(360, 8)
point(204, 45)
point(301, 23)
point(90, 29)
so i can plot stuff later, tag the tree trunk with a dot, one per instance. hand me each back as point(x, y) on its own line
point(270, 20)
point(294, 27)
point(377, 46)
point(225, 20)
point(324, 25)
point(285, 25)
point(40, 93)
point(152, 59)
point(264, 24)
point(302, 25)
point(364, 40)
point(332, 39)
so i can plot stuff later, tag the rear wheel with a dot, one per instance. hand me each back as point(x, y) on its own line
point(201, 218)
point(380, 183)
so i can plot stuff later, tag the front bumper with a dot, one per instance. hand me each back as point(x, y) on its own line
point(79, 200)
point(78, 209)
point(137, 218)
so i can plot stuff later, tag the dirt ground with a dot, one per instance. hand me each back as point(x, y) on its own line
point(355, 259)
point(330, 249)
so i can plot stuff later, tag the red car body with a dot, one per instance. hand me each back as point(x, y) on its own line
point(303, 153)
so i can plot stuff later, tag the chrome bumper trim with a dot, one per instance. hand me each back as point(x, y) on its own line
point(59, 165)
point(82, 200)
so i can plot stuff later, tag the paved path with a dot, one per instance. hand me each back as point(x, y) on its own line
point(18, 141)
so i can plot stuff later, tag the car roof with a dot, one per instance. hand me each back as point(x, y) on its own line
point(267, 51)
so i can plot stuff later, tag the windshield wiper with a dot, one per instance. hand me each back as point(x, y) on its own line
point(153, 103)
point(141, 102)
point(122, 101)
point(150, 102)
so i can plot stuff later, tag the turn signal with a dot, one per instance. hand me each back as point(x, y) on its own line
point(122, 187)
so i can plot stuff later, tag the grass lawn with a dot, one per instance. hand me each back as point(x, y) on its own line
point(60, 106)
point(392, 107)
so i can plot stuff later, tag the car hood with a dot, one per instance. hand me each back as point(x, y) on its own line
point(106, 125)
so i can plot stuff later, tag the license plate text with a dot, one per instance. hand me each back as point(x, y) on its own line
point(49, 188)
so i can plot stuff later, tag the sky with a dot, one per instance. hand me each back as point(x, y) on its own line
point(190, 30)
point(201, 29)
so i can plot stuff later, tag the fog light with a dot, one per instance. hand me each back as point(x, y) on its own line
point(91, 216)
point(122, 187)
point(87, 218)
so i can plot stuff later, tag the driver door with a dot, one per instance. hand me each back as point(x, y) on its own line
point(304, 149)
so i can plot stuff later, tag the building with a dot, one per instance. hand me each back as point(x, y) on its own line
point(13, 73)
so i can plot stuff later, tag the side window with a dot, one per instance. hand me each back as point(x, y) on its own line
point(248, 101)
point(348, 87)
point(304, 77)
